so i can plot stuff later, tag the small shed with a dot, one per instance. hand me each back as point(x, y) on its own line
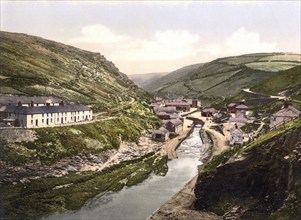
point(162, 134)
point(208, 112)
point(174, 125)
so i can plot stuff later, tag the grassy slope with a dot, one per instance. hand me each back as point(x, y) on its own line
point(234, 73)
point(284, 80)
point(34, 66)
point(171, 77)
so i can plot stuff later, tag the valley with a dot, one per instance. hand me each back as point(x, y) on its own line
point(231, 125)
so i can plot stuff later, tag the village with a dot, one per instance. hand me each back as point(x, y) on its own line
point(229, 125)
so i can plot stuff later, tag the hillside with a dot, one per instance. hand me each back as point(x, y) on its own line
point(227, 76)
point(258, 181)
point(32, 65)
point(143, 80)
point(287, 82)
point(171, 77)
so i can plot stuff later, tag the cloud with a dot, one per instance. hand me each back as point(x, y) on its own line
point(240, 42)
point(165, 50)
point(163, 45)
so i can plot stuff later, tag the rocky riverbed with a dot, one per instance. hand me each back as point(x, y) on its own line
point(79, 163)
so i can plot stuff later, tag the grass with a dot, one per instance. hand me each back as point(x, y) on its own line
point(272, 66)
point(53, 69)
point(42, 197)
point(284, 80)
point(248, 128)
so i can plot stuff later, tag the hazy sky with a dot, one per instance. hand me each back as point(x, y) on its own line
point(148, 36)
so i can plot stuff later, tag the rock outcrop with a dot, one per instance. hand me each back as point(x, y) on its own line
point(259, 182)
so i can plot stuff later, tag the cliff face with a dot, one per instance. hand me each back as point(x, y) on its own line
point(259, 182)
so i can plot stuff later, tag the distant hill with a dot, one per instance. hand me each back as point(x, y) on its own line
point(143, 80)
point(171, 77)
point(227, 76)
point(32, 65)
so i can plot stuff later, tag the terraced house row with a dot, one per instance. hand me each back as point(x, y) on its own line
point(46, 113)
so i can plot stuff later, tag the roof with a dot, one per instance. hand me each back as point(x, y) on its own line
point(43, 109)
point(167, 109)
point(177, 104)
point(162, 113)
point(175, 122)
point(232, 105)
point(161, 130)
point(13, 100)
point(242, 107)
point(289, 111)
point(209, 110)
point(238, 120)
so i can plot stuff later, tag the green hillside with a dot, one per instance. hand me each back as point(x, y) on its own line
point(225, 77)
point(287, 82)
point(32, 65)
point(170, 77)
point(143, 80)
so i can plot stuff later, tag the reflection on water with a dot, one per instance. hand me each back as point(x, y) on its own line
point(140, 201)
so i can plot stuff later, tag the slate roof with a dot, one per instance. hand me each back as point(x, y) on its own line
point(175, 122)
point(43, 109)
point(13, 100)
point(161, 130)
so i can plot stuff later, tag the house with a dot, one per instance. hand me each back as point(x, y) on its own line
point(163, 115)
point(231, 108)
point(174, 125)
point(169, 110)
point(236, 136)
point(44, 116)
point(217, 117)
point(162, 134)
point(241, 108)
point(287, 113)
point(208, 112)
point(180, 105)
point(240, 120)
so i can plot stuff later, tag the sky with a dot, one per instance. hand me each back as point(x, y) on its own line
point(160, 36)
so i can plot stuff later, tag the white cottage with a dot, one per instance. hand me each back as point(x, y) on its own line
point(236, 136)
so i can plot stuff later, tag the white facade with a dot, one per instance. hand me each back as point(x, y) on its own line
point(37, 119)
point(236, 136)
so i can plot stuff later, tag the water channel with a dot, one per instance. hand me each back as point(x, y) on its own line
point(140, 201)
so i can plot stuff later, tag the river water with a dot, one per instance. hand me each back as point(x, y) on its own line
point(140, 201)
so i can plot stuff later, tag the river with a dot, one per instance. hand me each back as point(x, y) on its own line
point(140, 201)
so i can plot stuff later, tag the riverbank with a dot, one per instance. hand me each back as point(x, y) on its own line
point(180, 205)
point(169, 148)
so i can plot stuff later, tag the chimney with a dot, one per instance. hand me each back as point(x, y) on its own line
point(31, 104)
point(62, 103)
point(287, 103)
point(19, 104)
point(47, 104)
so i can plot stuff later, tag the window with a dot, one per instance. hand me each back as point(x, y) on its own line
point(43, 115)
point(31, 115)
point(31, 122)
point(47, 114)
point(51, 114)
point(51, 120)
point(42, 121)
